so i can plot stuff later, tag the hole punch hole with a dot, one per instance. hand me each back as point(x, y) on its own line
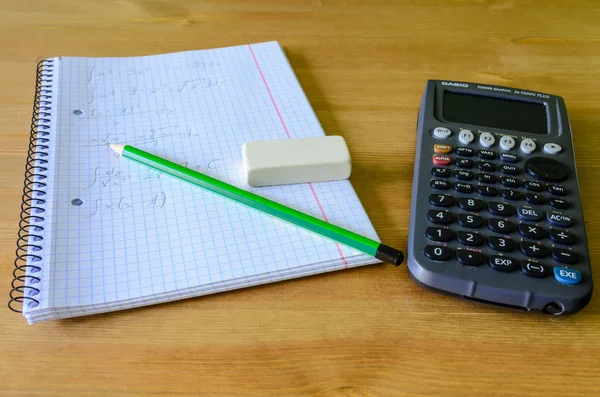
point(77, 112)
point(77, 202)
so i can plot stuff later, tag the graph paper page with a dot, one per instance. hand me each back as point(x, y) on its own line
point(123, 232)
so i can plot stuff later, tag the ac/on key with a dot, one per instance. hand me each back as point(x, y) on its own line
point(557, 218)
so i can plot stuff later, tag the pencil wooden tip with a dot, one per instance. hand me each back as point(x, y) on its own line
point(117, 148)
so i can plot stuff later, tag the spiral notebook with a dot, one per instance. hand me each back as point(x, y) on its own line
point(98, 234)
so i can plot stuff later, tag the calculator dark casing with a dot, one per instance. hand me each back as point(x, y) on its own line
point(482, 283)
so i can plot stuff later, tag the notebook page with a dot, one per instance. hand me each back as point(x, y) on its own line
point(122, 232)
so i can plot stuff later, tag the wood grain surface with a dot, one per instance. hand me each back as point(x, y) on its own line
point(362, 332)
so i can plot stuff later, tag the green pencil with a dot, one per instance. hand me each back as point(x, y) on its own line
point(315, 225)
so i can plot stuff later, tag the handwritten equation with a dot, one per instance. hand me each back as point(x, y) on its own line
point(138, 71)
point(122, 204)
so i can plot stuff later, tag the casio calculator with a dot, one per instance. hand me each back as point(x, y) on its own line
point(496, 215)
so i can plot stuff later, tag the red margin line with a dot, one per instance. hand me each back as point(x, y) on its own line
point(289, 136)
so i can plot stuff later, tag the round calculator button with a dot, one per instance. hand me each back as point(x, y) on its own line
point(464, 151)
point(509, 181)
point(464, 187)
point(486, 154)
point(486, 139)
point(500, 226)
point(438, 234)
point(534, 269)
point(528, 146)
point(564, 256)
point(552, 148)
point(441, 132)
point(466, 136)
point(507, 142)
point(557, 190)
point(500, 209)
point(531, 231)
point(508, 169)
point(463, 175)
point(536, 199)
point(437, 253)
point(557, 218)
point(533, 186)
point(439, 217)
point(567, 276)
point(486, 178)
point(470, 239)
point(546, 169)
point(558, 203)
point(508, 158)
point(441, 200)
point(440, 159)
point(511, 194)
point(529, 214)
point(470, 204)
point(561, 237)
point(486, 166)
point(469, 258)
point(439, 184)
point(470, 221)
point(464, 163)
point(533, 250)
point(501, 244)
point(440, 172)
point(502, 263)
point(488, 191)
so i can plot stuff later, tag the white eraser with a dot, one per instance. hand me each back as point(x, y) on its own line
point(302, 160)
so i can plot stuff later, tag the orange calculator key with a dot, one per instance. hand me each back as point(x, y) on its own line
point(441, 148)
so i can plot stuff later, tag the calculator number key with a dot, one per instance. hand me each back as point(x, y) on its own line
point(501, 244)
point(500, 226)
point(500, 209)
point(469, 238)
point(439, 217)
point(470, 221)
point(438, 234)
point(438, 253)
point(470, 204)
point(441, 200)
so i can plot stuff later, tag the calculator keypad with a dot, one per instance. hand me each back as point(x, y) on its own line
point(499, 209)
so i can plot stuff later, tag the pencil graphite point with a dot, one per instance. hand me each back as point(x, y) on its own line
point(117, 148)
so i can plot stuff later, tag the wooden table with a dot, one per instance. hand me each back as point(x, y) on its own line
point(364, 332)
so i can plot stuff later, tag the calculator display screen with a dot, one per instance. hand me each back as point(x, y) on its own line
point(493, 112)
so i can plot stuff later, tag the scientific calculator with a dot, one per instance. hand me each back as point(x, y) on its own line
point(496, 215)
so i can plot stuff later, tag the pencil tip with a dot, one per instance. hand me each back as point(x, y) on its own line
point(117, 148)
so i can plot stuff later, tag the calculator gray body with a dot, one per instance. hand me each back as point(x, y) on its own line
point(482, 283)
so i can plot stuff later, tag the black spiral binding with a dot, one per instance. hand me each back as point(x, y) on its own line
point(31, 226)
